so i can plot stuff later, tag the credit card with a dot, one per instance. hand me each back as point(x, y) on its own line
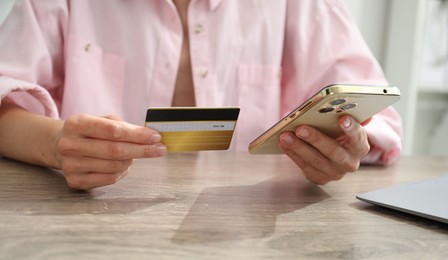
point(194, 128)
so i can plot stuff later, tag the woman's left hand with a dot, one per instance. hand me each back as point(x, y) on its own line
point(323, 158)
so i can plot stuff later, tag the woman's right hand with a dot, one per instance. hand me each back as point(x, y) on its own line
point(98, 151)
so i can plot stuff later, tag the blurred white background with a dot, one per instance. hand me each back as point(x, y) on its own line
point(5, 7)
point(410, 40)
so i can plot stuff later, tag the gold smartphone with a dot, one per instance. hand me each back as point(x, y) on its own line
point(323, 110)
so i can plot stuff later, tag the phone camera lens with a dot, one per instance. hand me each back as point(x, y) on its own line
point(348, 106)
point(326, 109)
point(338, 101)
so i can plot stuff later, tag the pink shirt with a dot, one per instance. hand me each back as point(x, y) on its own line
point(104, 57)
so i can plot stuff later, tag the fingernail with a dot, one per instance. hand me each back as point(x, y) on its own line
point(287, 138)
point(156, 138)
point(161, 150)
point(303, 132)
point(347, 122)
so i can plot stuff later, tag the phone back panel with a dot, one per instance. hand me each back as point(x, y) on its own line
point(323, 110)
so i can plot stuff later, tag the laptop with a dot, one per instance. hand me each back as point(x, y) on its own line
point(427, 198)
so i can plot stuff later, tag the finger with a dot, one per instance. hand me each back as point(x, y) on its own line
point(109, 150)
point(89, 164)
point(89, 181)
point(356, 137)
point(327, 146)
point(316, 167)
point(309, 171)
point(114, 117)
point(367, 121)
point(107, 129)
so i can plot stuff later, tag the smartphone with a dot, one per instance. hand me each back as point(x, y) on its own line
point(323, 110)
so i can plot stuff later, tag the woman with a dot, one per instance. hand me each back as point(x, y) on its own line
point(65, 64)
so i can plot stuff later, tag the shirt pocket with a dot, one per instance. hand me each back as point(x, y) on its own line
point(259, 100)
point(94, 80)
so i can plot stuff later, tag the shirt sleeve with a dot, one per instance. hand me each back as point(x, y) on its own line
point(31, 60)
point(323, 46)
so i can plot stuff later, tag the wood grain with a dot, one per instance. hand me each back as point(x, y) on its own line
point(214, 205)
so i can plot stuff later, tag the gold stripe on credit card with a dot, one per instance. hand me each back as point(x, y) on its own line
point(193, 128)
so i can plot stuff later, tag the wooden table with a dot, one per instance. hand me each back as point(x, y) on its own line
point(214, 205)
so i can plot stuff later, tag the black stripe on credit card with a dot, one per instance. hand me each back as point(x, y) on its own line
point(191, 114)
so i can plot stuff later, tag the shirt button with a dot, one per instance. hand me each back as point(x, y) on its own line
point(204, 73)
point(88, 47)
point(199, 28)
